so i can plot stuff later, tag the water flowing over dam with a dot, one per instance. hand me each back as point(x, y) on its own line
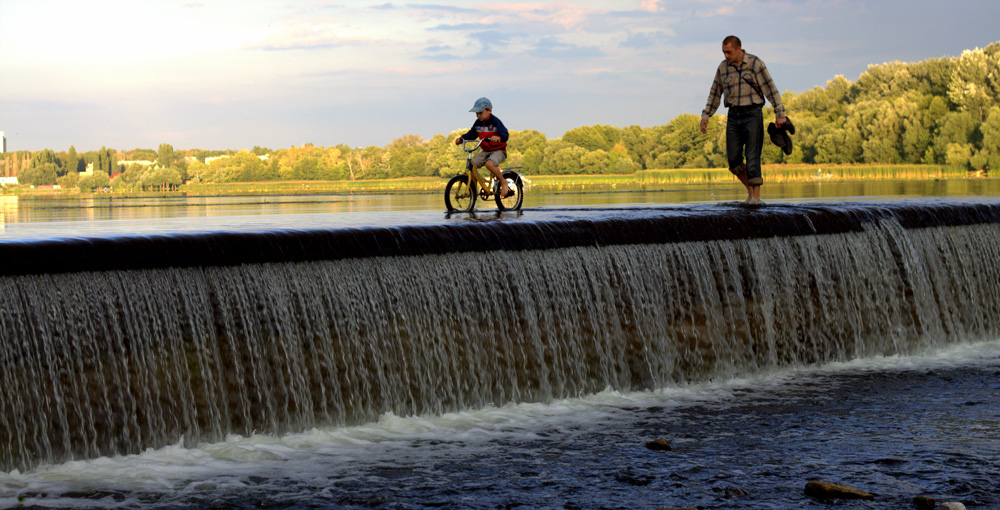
point(114, 345)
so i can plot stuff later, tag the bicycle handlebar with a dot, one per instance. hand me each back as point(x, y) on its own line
point(464, 141)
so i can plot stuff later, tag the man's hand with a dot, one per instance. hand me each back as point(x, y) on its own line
point(704, 126)
point(495, 139)
point(458, 141)
point(780, 121)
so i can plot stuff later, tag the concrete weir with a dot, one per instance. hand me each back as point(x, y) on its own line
point(114, 345)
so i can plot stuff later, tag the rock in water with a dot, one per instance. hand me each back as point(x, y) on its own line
point(828, 490)
point(659, 445)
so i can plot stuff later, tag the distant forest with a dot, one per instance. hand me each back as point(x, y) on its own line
point(940, 111)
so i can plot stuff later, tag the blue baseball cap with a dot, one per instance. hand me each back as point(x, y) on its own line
point(481, 104)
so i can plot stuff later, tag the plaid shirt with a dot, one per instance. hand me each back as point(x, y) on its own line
point(742, 86)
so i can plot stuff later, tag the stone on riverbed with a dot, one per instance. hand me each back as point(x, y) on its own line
point(827, 490)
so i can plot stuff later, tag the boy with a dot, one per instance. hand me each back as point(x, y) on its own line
point(495, 145)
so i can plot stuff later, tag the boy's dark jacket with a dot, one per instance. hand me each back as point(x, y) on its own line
point(486, 129)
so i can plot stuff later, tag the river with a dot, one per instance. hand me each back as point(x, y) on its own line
point(921, 421)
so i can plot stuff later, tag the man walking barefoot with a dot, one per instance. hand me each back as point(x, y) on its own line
point(742, 79)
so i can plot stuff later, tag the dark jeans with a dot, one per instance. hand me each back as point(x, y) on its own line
point(745, 137)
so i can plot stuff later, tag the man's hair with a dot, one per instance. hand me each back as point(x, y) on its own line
point(732, 40)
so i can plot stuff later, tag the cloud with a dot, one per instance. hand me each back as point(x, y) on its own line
point(441, 57)
point(651, 6)
point(490, 39)
point(639, 40)
point(646, 39)
point(466, 26)
point(441, 8)
point(550, 47)
point(439, 47)
point(311, 39)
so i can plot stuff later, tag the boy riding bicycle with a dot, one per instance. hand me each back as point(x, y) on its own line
point(494, 152)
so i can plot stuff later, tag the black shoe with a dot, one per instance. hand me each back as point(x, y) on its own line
point(788, 126)
point(779, 137)
point(787, 146)
point(775, 134)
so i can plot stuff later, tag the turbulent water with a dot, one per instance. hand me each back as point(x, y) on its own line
point(897, 426)
point(478, 366)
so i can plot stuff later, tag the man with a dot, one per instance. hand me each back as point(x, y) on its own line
point(743, 80)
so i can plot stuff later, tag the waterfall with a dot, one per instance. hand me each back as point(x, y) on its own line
point(106, 354)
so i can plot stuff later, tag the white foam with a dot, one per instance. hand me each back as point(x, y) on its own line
point(228, 462)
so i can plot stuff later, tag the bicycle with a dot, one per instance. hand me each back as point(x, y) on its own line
point(462, 190)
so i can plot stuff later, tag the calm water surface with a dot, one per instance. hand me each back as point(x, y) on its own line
point(41, 218)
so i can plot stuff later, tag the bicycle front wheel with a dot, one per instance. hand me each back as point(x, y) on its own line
point(458, 195)
point(514, 200)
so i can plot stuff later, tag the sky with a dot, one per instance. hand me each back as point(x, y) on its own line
point(221, 74)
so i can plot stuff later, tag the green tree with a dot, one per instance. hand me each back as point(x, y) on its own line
point(141, 155)
point(958, 155)
point(94, 181)
point(639, 142)
point(245, 166)
point(682, 144)
point(886, 81)
point(165, 155)
point(593, 138)
point(42, 174)
point(595, 162)
point(72, 161)
point(44, 157)
point(989, 154)
point(620, 161)
point(526, 140)
point(161, 179)
point(69, 180)
point(970, 86)
point(106, 161)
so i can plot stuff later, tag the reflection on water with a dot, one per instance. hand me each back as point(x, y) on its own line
point(27, 217)
point(117, 208)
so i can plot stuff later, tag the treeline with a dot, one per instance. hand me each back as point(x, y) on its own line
point(940, 111)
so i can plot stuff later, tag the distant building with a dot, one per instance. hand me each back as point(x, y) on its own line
point(209, 160)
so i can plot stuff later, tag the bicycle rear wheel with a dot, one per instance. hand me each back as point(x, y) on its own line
point(515, 200)
point(458, 195)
